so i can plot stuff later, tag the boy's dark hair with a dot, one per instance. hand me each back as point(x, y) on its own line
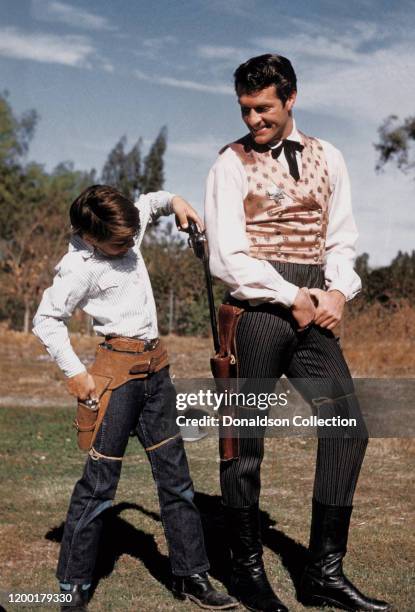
point(105, 214)
point(265, 70)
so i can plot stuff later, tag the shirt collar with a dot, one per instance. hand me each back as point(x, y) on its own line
point(77, 244)
point(294, 135)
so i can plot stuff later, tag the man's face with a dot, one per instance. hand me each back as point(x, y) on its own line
point(266, 117)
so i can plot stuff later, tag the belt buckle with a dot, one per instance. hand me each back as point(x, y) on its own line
point(150, 344)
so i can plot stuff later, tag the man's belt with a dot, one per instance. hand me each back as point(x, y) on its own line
point(112, 368)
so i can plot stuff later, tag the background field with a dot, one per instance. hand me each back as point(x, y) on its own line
point(40, 463)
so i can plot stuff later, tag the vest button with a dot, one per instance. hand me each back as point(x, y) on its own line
point(315, 258)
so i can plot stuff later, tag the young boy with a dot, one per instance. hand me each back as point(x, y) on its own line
point(104, 274)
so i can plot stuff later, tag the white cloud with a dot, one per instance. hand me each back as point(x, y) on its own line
point(381, 83)
point(221, 53)
point(49, 48)
point(53, 10)
point(159, 42)
point(108, 67)
point(358, 73)
point(185, 84)
point(311, 47)
point(206, 148)
point(155, 47)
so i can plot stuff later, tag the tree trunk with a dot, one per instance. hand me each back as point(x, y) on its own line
point(26, 319)
point(171, 312)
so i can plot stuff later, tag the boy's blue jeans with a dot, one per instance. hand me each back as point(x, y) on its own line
point(148, 407)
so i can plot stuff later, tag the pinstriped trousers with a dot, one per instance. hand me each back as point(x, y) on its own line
point(268, 346)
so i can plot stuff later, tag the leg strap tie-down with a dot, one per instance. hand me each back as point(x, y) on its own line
point(320, 401)
point(95, 455)
point(155, 446)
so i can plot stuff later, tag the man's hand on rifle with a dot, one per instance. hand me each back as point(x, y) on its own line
point(329, 307)
point(184, 213)
point(82, 386)
point(303, 309)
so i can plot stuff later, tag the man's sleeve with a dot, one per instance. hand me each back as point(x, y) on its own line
point(248, 278)
point(151, 206)
point(69, 288)
point(341, 234)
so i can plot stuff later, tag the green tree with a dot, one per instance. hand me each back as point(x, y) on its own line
point(125, 170)
point(396, 143)
point(15, 136)
point(153, 175)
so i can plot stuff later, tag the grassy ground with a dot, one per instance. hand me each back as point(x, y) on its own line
point(39, 464)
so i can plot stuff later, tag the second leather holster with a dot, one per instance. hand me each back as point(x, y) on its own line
point(224, 366)
point(112, 368)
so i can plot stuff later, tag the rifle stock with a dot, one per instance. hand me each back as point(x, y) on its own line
point(224, 364)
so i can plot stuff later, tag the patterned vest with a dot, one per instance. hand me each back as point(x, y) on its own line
point(285, 220)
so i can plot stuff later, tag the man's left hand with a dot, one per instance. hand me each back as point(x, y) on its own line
point(184, 213)
point(329, 307)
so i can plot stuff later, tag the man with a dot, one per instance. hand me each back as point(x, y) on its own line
point(281, 236)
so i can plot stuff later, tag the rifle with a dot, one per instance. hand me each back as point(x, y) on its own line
point(223, 365)
point(198, 242)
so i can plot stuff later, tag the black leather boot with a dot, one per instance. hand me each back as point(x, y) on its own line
point(79, 601)
point(249, 580)
point(198, 589)
point(323, 581)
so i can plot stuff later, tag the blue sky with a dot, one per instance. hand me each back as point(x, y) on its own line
point(96, 70)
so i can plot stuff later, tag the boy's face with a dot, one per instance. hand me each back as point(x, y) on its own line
point(111, 248)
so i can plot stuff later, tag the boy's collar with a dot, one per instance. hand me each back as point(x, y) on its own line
point(77, 244)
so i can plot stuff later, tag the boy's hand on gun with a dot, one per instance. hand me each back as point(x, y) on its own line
point(82, 386)
point(184, 213)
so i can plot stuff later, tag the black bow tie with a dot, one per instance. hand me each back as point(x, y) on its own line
point(290, 147)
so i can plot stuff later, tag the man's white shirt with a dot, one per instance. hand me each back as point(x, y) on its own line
point(116, 292)
point(254, 279)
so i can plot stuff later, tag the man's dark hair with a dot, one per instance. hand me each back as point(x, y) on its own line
point(265, 70)
point(105, 214)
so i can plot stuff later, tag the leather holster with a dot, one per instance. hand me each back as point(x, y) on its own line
point(112, 368)
point(224, 366)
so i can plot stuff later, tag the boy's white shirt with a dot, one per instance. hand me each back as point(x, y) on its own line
point(116, 293)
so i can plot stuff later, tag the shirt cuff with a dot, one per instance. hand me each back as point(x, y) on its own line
point(287, 292)
point(345, 289)
point(161, 204)
point(70, 365)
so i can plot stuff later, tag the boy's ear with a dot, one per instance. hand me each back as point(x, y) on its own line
point(88, 239)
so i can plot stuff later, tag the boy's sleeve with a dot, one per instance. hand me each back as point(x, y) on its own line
point(151, 206)
point(68, 290)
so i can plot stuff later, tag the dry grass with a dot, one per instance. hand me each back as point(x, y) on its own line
point(377, 343)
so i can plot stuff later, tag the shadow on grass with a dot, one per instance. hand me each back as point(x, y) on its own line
point(119, 537)
point(292, 554)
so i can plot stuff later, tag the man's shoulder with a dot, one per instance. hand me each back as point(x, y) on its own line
point(231, 155)
point(330, 150)
point(329, 147)
point(242, 144)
